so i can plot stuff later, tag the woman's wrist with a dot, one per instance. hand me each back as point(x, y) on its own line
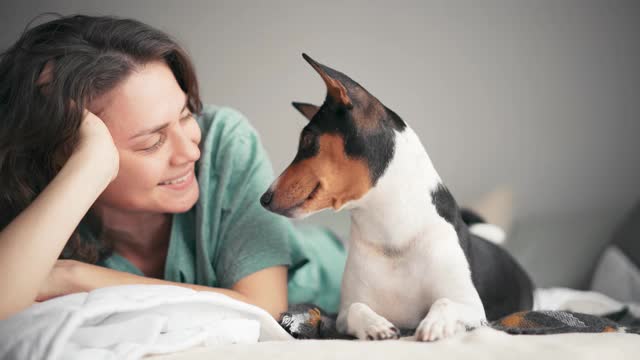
point(97, 173)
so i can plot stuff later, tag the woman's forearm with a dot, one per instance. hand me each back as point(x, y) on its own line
point(32, 242)
point(101, 277)
point(89, 277)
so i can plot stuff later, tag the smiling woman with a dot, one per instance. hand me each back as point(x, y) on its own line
point(157, 138)
point(109, 160)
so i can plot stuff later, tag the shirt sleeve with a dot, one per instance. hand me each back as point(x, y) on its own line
point(251, 238)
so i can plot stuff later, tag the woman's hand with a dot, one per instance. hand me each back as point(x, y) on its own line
point(97, 144)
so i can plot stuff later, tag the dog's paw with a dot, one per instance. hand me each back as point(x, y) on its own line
point(444, 320)
point(361, 321)
point(380, 330)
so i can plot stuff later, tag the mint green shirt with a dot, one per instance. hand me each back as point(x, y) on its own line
point(228, 235)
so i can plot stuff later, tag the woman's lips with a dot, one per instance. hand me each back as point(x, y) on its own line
point(179, 183)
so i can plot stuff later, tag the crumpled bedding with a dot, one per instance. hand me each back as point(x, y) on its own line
point(553, 314)
point(130, 321)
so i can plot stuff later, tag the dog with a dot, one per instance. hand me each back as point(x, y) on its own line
point(412, 262)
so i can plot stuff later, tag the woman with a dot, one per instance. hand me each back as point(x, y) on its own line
point(109, 159)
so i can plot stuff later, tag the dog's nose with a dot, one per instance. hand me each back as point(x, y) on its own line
point(266, 198)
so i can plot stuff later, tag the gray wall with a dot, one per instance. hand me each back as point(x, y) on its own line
point(543, 96)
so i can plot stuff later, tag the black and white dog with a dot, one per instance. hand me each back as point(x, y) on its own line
point(412, 262)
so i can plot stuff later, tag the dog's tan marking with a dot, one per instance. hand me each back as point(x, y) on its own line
point(609, 329)
point(514, 320)
point(341, 179)
point(315, 316)
point(294, 185)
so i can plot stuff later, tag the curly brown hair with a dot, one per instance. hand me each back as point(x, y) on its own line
point(39, 126)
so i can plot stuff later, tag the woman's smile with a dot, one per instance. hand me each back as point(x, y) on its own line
point(180, 183)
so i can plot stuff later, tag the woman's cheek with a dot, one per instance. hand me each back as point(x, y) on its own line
point(141, 171)
point(194, 131)
point(154, 173)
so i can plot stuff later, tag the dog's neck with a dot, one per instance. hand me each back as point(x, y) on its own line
point(399, 207)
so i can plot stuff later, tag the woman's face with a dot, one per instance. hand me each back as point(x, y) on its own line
point(157, 138)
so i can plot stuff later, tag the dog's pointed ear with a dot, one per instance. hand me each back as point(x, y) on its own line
point(335, 88)
point(308, 110)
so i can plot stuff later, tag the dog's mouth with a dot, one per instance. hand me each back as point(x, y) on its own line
point(292, 211)
point(313, 193)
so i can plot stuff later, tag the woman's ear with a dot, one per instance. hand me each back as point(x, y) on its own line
point(45, 77)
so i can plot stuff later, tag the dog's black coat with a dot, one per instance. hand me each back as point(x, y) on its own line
point(503, 285)
point(376, 148)
point(471, 217)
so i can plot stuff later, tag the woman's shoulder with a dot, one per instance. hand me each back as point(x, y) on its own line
point(228, 141)
point(223, 124)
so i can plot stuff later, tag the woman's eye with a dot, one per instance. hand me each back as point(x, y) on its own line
point(162, 138)
point(155, 146)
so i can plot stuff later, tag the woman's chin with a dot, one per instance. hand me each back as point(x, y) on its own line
point(183, 204)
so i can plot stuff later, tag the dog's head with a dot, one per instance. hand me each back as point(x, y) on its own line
point(343, 151)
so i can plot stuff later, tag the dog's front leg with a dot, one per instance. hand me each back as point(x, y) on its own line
point(446, 318)
point(361, 321)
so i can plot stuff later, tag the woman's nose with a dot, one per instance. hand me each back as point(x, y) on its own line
point(185, 150)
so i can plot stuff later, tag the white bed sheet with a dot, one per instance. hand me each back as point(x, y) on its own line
point(479, 344)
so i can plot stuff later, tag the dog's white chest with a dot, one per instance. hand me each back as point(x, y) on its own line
point(402, 283)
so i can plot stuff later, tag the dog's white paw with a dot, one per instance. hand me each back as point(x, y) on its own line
point(445, 319)
point(366, 324)
point(382, 329)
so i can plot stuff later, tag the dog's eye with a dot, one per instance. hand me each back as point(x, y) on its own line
point(306, 140)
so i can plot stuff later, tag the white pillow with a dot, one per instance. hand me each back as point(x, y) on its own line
point(617, 276)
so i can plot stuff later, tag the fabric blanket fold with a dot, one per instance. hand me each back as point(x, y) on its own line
point(128, 322)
